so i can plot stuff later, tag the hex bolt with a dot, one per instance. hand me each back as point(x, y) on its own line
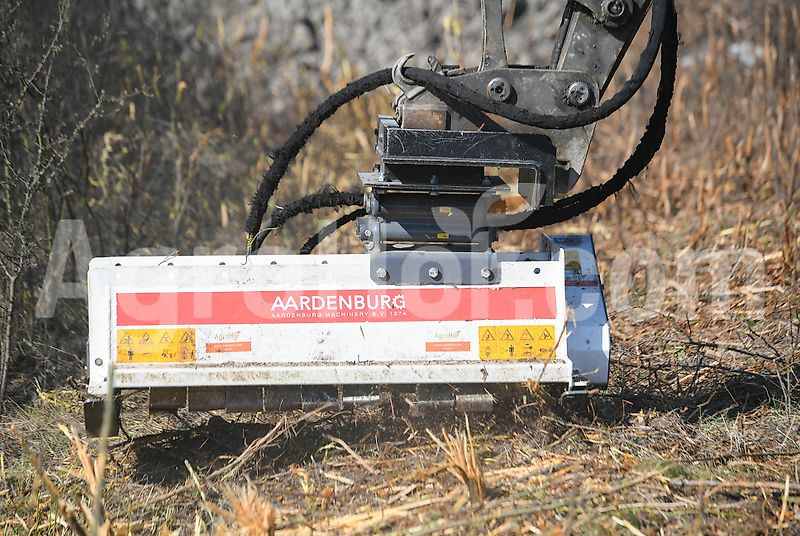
point(578, 94)
point(433, 272)
point(486, 273)
point(615, 8)
point(499, 89)
point(382, 273)
point(367, 233)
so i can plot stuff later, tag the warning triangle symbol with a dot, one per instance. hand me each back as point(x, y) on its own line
point(165, 339)
point(546, 335)
point(487, 336)
point(126, 340)
point(187, 337)
point(526, 335)
point(145, 339)
point(507, 336)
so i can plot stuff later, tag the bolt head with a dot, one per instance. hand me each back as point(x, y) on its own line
point(499, 89)
point(98, 362)
point(486, 273)
point(382, 273)
point(433, 272)
point(579, 93)
point(615, 8)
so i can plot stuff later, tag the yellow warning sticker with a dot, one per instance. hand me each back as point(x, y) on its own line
point(174, 345)
point(516, 342)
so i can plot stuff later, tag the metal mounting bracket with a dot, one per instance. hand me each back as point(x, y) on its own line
point(494, 46)
point(434, 268)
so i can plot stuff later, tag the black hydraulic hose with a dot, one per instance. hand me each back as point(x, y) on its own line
point(288, 151)
point(649, 144)
point(442, 85)
point(315, 239)
point(325, 197)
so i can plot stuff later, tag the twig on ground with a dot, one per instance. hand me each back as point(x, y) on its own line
point(359, 460)
point(726, 457)
point(742, 484)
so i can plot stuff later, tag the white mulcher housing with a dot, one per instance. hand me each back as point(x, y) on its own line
point(289, 331)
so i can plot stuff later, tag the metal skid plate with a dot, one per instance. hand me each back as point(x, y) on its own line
point(589, 341)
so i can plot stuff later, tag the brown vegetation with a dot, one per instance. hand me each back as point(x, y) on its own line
point(699, 431)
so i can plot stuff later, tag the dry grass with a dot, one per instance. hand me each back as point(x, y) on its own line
point(699, 432)
point(542, 468)
point(463, 462)
point(251, 514)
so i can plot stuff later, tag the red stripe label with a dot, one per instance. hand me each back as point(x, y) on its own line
point(447, 346)
point(323, 306)
point(227, 347)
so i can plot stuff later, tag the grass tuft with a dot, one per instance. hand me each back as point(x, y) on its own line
point(463, 461)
